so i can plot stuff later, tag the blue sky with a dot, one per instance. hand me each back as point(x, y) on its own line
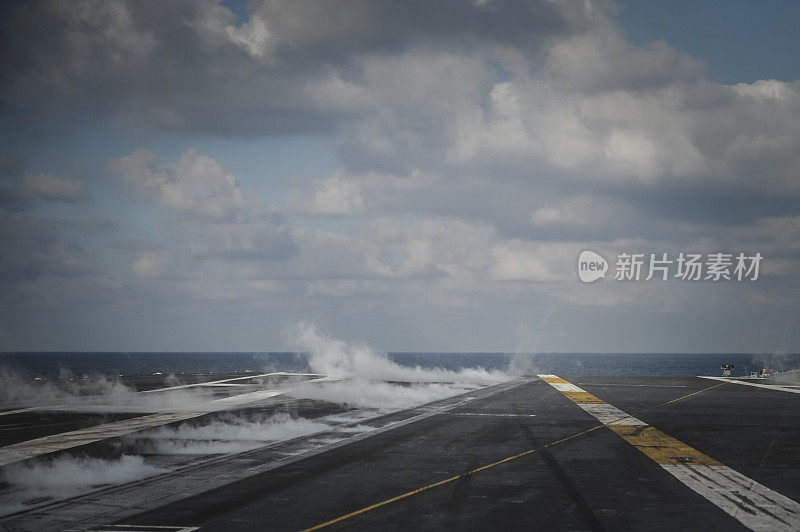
point(362, 166)
point(742, 41)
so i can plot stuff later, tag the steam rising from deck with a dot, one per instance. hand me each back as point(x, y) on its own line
point(372, 380)
point(356, 376)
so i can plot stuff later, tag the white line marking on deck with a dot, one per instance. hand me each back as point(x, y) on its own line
point(777, 387)
point(738, 495)
point(18, 411)
point(233, 379)
point(565, 387)
point(67, 440)
point(754, 505)
point(608, 414)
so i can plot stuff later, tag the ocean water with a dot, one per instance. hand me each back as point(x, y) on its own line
point(63, 364)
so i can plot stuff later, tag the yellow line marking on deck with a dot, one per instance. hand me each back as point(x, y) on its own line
point(661, 448)
point(583, 398)
point(487, 466)
point(752, 504)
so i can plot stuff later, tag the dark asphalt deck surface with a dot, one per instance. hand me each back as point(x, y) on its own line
point(595, 481)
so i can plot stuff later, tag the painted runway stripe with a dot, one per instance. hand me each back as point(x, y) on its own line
point(506, 460)
point(17, 411)
point(230, 380)
point(68, 440)
point(776, 387)
point(98, 408)
point(752, 504)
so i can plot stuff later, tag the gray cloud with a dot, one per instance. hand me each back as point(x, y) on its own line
point(11, 164)
point(681, 147)
point(480, 147)
point(34, 247)
point(12, 200)
point(210, 206)
point(187, 66)
point(53, 188)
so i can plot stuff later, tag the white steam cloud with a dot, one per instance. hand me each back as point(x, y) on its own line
point(67, 476)
point(372, 380)
point(334, 357)
point(230, 436)
point(381, 395)
point(368, 380)
point(95, 394)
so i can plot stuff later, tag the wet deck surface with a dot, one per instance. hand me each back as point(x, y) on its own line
point(577, 477)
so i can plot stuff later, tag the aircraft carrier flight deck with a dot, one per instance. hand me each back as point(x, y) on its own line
point(538, 452)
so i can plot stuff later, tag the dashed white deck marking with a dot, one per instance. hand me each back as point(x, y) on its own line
point(565, 387)
point(609, 414)
point(754, 505)
point(777, 387)
point(739, 495)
